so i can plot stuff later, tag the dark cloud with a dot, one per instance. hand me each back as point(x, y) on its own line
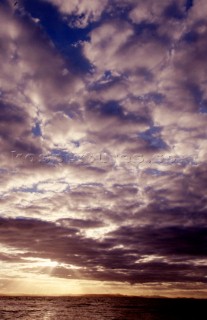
point(80, 223)
point(173, 11)
point(173, 240)
point(114, 109)
point(101, 260)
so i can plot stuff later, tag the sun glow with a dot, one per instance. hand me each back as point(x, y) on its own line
point(38, 262)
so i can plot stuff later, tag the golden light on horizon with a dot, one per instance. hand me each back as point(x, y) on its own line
point(45, 285)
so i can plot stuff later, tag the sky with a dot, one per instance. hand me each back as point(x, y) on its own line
point(103, 137)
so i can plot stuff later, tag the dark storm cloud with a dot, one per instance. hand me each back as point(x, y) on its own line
point(174, 240)
point(101, 260)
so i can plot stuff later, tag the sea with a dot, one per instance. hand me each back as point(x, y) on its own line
point(101, 308)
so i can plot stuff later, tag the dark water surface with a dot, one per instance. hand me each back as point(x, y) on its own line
point(100, 307)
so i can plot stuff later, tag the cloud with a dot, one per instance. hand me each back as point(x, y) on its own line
point(103, 154)
point(84, 13)
point(126, 254)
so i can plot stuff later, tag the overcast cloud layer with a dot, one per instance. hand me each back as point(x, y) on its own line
point(103, 138)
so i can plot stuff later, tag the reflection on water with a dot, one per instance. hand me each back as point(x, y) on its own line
point(49, 315)
point(101, 308)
